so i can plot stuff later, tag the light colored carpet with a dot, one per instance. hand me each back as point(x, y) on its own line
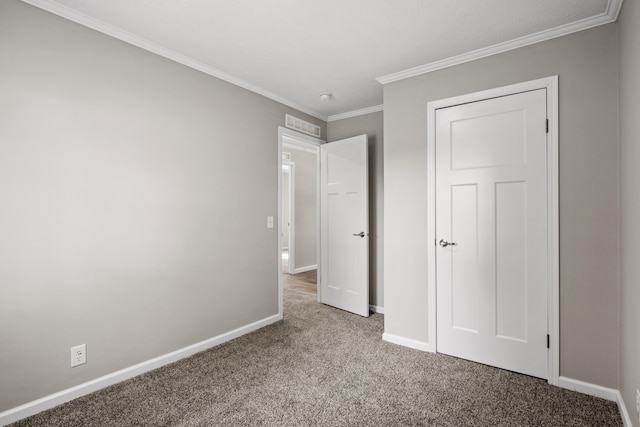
point(324, 367)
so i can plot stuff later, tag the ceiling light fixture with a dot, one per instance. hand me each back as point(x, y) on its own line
point(326, 96)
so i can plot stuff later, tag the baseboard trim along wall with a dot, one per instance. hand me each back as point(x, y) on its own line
point(626, 419)
point(564, 382)
point(598, 391)
point(376, 309)
point(408, 342)
point(305, 269)
point(55, 399)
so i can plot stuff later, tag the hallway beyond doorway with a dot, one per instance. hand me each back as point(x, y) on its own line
point(305, 282)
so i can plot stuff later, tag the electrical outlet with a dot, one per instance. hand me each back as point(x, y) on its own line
point(78, 355)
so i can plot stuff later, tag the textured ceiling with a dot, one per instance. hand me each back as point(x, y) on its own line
point(293, 50)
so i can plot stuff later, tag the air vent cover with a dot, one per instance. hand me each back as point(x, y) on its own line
point(302, 126)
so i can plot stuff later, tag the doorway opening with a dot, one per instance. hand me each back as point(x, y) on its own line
point(298, 212)
point(299, 261)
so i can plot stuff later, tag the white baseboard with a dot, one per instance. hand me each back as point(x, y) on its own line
point(598, 391)
point(376, 309)
point(305, 269)
point(626, 419)
point(408, 342)
point(55, 399)
point(588, 388)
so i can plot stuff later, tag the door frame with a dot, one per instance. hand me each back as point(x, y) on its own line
point(300, 141)
point(553, 278)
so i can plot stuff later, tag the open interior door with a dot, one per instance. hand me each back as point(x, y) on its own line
point(344, 225)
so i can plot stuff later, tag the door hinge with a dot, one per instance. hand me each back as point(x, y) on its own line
point(547, 125)
point(548, 341)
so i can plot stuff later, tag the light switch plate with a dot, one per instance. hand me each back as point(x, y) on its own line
point(269, 222)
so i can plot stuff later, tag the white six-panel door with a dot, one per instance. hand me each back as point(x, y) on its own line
point(491, 232)
point(344, 225)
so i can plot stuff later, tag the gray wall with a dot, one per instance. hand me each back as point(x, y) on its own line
point(630, 206)
point(372, 125)
point(119, 225)
point(306, 209)
point(589, 218)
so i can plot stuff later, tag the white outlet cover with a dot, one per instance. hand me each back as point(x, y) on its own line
point(78, 355)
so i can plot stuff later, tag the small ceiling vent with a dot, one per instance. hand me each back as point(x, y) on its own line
point(302, 126)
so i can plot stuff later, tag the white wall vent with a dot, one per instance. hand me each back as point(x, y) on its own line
point(302, 126)
point(286, 156)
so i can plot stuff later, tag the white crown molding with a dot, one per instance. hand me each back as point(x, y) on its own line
point(610, 15)
point(613, 9)
point(355, 113)
point(110, 30)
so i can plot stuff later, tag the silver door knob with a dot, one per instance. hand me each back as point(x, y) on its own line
point(361, 234)
point(444, 243)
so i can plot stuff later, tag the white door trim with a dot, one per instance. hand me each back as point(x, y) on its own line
point(553, 280)
point(304, 142)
